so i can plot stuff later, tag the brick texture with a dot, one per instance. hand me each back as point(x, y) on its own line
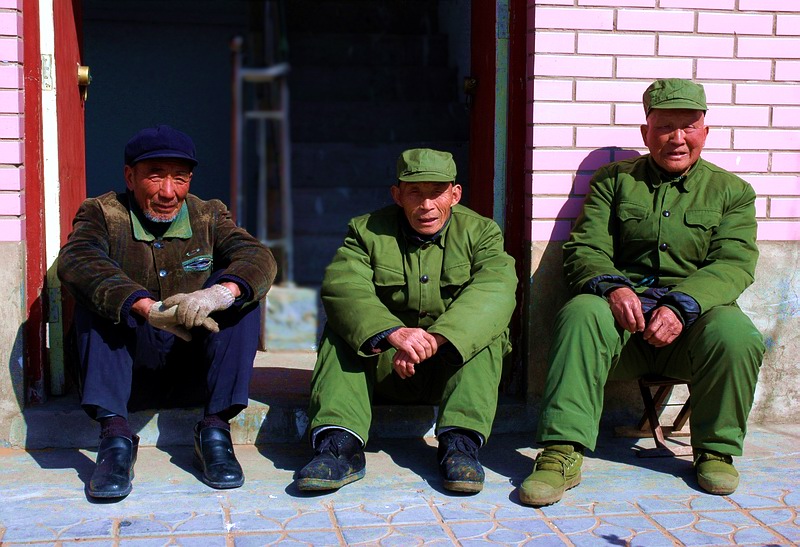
point(595, 58)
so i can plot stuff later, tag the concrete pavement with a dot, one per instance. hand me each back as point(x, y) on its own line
point(623, 500)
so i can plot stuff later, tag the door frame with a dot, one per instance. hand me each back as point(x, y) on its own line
point(497, 152)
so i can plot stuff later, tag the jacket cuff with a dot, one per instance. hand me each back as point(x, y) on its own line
point(125, 315)
point(247, 291)
point(378, 342)
point(686, 307)
point(602, 284)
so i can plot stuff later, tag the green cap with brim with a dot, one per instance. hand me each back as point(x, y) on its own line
point(674, 93)
point(426, 165)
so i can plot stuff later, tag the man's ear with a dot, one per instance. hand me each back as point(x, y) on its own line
point(129, 177)
point(643, 129)
point(456, 193)
point(395, 190)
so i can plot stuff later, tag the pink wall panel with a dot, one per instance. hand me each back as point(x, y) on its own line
point(565, 18)
point(769, 5)
point(554, 42)
point(11, 178)
point(10, 229)
point(591, 60)
point(10, 204)
point(734, 23)
point(788, 25)
point(661, 20)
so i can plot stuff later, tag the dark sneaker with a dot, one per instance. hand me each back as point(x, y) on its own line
point(338, 460)
point(458, 462)
point(557, 469)
point(715, 472)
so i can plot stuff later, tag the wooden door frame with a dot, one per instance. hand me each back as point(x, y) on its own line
point(485, 34)
point(35, 262)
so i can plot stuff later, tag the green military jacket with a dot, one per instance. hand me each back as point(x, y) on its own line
point(461, 286)
point(110, 255)
point(694, 233)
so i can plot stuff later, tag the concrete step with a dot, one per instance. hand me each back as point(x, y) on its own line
point(277, 413)
point(336, 48)
point(370, 83)
point(385, 122)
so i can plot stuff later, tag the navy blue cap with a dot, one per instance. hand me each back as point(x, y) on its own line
point(161, 141)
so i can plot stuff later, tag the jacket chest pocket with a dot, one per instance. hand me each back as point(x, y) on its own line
point(391, 287)
point(632, 222)
point(700, 225)
point(453, 281)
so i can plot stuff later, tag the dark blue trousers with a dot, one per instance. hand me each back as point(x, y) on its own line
point(124, 368)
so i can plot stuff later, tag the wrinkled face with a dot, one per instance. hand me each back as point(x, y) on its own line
point(159, 186)
point(675, 138)
point(426, 204)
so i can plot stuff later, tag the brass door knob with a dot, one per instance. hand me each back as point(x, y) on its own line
point(84, 79)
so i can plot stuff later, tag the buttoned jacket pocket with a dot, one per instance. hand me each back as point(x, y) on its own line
point(700, 226)
point(391, 287)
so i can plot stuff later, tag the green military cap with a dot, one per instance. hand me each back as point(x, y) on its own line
point(426, 165)
point(672, 93)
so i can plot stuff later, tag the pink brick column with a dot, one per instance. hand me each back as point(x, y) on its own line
point(590, 60)
point(11, 132)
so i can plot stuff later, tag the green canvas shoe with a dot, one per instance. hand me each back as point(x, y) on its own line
point(557, 469)
point(715, 472)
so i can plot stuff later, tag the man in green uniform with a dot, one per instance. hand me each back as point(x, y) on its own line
point(664, 246)
point(418, 300)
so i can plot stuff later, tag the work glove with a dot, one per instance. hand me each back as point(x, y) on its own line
point(194, 307)
point(164, 318)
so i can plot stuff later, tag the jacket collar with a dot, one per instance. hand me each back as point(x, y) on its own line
point(658, 176)
point(179, 228)
point(416, 238)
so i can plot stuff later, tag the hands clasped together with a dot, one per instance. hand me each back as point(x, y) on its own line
point(182, 312)
point(663, 327)
point(413, 345)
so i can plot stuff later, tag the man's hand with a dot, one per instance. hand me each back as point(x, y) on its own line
point(194, 308)
point(663, 328)
point(164, 318)
point(413, 345)
point(627, 309)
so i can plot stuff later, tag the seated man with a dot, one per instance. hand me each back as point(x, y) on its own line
point(664, 246)
point(418, 300)
point(167, 290)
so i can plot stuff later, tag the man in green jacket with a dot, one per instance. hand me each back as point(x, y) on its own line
point(663, 248)
point(418, 300)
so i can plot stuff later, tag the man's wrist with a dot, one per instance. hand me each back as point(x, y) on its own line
point(142, 306)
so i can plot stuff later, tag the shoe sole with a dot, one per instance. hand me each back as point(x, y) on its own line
point(470, 487)
point(110, 495)
point(309, 484)
point(216, 485)
point(550, 501)
point(717, 491)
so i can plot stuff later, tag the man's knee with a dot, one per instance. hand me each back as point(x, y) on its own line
point(729, 328)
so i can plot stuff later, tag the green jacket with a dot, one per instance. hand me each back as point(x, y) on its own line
point(110, 256)
point(461, 286)
point(694, 233)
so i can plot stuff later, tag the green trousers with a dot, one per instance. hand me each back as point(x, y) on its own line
point(720, 355)
point(345, 385)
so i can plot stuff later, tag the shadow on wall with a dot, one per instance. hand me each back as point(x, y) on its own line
point(548, 290)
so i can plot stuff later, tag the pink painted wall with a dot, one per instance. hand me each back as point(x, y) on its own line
point(590, 60)
point(11, 134)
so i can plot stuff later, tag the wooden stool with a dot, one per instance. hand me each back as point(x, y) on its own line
point(650, 423)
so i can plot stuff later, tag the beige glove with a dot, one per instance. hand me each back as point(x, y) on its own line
point(194, 307)
point(164, 318)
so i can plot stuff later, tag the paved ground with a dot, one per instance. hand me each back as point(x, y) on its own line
point(624, 500)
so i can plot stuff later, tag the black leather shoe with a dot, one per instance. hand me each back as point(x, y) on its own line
point(114, 470)
point(213, 455)
point(338, 460)
point(458, 461)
